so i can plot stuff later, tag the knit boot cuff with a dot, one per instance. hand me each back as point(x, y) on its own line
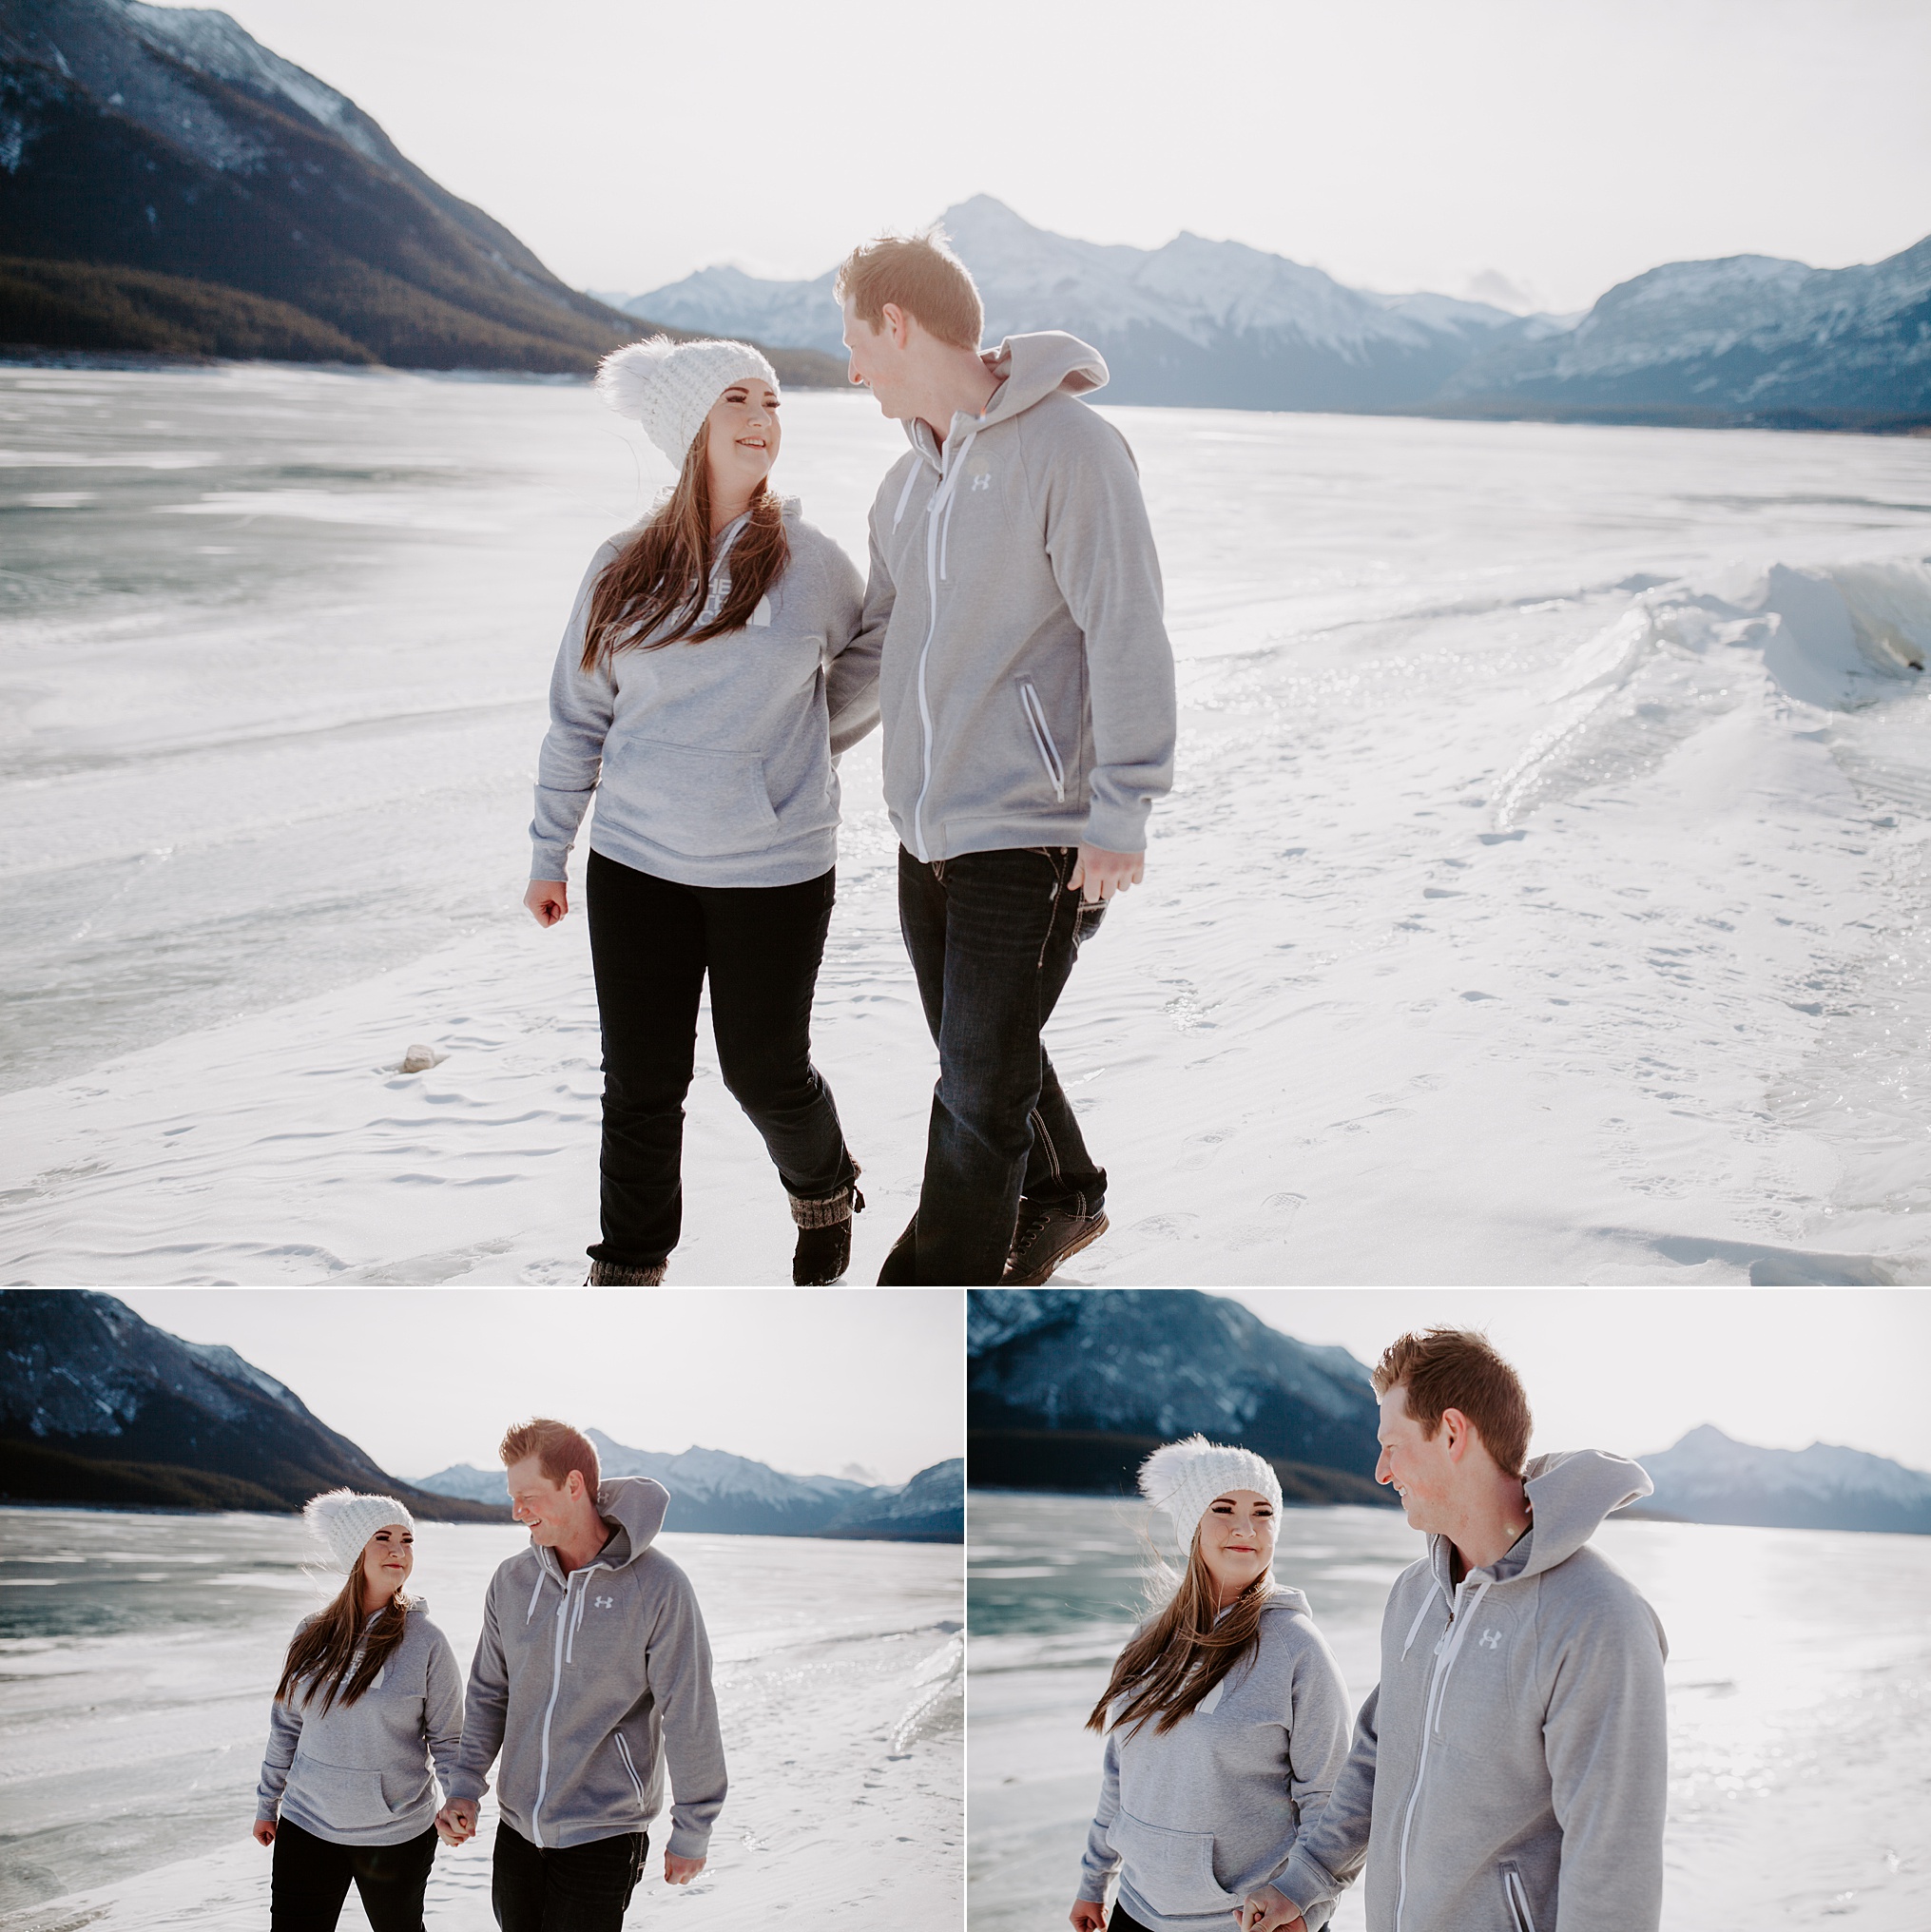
point(825, 1213)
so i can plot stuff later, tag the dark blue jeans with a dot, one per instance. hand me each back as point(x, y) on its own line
point(651, 944)
point(583, 1889)
point(993, 937)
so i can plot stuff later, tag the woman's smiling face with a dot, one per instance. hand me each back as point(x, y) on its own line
point(388, 1558)
point(743, 439)
point(1237, 1540)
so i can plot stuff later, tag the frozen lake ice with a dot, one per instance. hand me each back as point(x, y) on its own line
point(138, 1653)
point(1799, 1684)
point(1543, 896)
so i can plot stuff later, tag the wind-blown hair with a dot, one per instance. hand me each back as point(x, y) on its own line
point(332, 1651)
point(654, 591)
point(1183, 1650)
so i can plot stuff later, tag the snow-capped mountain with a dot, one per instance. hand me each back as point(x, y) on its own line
point(98, 1405)
point(1710, 1479)
point(712, 1490)
point(1078, 1388)
point(1749, 333)
point(1195, 322)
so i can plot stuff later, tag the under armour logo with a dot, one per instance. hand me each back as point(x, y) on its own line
point(982, 481)
point(1491, 1639)
point(602, 1602)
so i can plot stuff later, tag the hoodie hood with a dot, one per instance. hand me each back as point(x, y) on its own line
point(635, 1505)
point(1570, 1493)
point(1031, 368)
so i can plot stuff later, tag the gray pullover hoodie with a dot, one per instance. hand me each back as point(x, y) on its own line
point(1509, 1771)
point(1195, 1820)
point(712, 763)
point(1026, 678)
point(360, 1773)
point(590, 1683)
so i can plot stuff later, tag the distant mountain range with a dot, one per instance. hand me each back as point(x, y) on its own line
point(1709, 1479)
point(1071, 1391)
point(719, 1493)
point(1218, 323)
point(171, 186)
point(99, 1406)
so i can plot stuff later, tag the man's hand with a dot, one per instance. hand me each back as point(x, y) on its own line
point(1101, 873)
point(1087, 1916)
point(264, 1831)
point(680, 1871)
point(1266, 1910)
point(455, 1824)
point(548, 899)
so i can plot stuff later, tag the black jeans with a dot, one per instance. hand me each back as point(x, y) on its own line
point(652, 944)
point(993, 937)
point(311, 1878)
point(586, 1888)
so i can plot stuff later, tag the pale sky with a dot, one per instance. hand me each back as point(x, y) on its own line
point(1564, 145)
point(811, 1383)
point(1632, 1369)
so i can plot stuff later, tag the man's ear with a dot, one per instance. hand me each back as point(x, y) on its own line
point(893, 321)
point(1459, 1430)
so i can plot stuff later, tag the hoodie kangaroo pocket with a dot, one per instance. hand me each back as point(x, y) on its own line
point(1515, 1897)
point(1170, 1871)
point(348, 1798)
point(1040, 732)
point(687, 798)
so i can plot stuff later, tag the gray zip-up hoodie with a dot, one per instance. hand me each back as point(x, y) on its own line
point(589, 1684)
point(1509, 1771)
point(712, 763)
point(360, 1773)
point(1026, 678)
point(1194, 1819)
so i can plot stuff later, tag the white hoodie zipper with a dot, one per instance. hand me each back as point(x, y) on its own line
point(1042, 738)
point(1446, 1648)
point(562, 1652)
point(951, 465)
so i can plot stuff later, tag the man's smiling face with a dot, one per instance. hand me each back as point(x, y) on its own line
point(1416, 1466)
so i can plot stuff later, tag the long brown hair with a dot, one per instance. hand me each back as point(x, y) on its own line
point(1183, 1650)
point(332, 1653)
point(661, 578)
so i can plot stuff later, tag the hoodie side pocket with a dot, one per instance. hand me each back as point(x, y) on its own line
point(1515, 1897)
point(1042, 737)
point(624, 1752)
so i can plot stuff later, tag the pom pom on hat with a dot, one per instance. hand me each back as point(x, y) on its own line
point(670, 387)
point(1184, 1478)
point(342, 1522)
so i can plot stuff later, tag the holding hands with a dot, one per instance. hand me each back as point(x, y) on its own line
point(1266, 1910)
point(455, 1824)
point(264, 1831)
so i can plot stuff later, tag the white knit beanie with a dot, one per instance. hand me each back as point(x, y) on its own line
point(670, 387)
point(342, 1522)
point(1184, 1478)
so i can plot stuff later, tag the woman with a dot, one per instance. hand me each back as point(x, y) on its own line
point(702, 688)
point(370, 1693)
point(1226, 1719)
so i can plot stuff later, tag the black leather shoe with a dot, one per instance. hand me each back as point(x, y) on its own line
point(1044, 1238)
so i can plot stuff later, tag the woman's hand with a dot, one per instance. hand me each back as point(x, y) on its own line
point(455, 1824)
point(264, 1831)
point(1266, 1910)
point(548, 899)
point(1087, 1916)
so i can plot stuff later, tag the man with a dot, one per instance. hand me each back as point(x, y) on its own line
point(1025, 689)
point(592, 1670)
point(1508, 1772)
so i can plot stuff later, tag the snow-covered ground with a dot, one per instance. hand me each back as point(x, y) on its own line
point(1543, 896)
point(140, 1653)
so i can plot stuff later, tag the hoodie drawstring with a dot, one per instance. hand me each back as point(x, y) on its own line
point(1415, 1628)
point(905, 495)
point(535, 1592)
point(569, 1645)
